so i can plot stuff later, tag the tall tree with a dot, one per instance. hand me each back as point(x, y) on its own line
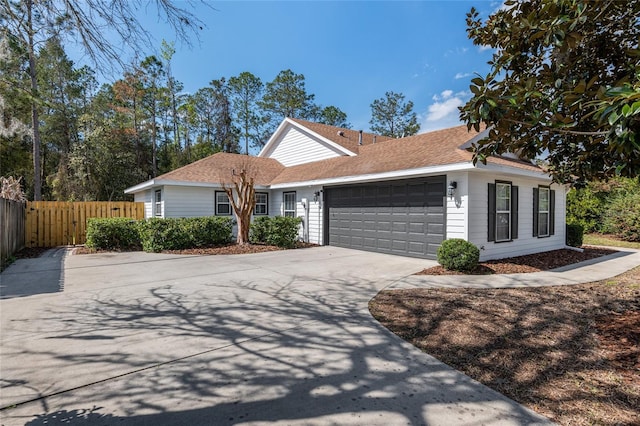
point(226, 134)
point(333, 116)
point(564, 83)
point(152, 74)
point(245, 91)
point(392, 116)
point(27, 23)
point(286, 96)
point(61, 85)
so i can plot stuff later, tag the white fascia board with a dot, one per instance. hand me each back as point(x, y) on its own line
point(155, 183)
point(499, 168)
point(270, 145)
point(373, 177)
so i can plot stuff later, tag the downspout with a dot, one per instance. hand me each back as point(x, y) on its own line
point(305, 220)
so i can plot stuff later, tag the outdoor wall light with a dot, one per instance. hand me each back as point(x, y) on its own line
point(451, 189)
point(316, 195)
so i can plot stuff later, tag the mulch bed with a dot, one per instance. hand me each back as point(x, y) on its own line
point(207, 251)
point(529, 263)
point(571, 353)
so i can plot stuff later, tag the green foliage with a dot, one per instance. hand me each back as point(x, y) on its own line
point(586, 207)
point(176, 234)
point(278, 231)
point(575, 233)
point(554, 89)
point(392, 116)
point(333, 116)
point(117, 233)
point(623, 217)
point(458, 255)
point(597, 206)
point(286, 96)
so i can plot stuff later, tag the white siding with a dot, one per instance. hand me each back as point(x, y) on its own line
point(458, 207)
point(526, 243)
point(296, 147)
point(145, 197)
point(276, 208)
point(185, 201)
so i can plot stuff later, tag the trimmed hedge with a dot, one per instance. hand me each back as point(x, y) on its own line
point(176, 234)
point(575, 232)
point(277, 231)
point(116, 233)
point(458, 255)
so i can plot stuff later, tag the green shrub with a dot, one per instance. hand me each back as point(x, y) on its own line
point(117, 233)
point(586, 206)
point(623, 217)
point(458, 255)
point(277, 231)
point(259, 229)
point(176, 234)
point(575, 232)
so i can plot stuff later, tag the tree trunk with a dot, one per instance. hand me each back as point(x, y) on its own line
point(242, 204)
point(35, 120)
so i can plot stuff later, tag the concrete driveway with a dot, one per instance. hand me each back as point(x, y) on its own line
point(272, 338)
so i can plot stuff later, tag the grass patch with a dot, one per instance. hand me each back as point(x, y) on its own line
point(608, 240)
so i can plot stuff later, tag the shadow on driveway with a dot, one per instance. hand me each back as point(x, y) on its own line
point(28, 277)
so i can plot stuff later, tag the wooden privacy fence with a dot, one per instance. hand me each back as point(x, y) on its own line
point(11, 227)
point(58, 223)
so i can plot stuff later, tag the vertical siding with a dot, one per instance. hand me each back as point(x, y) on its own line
point(188, 201)
point(458, 207)
point(526, 243)
point(298, 148)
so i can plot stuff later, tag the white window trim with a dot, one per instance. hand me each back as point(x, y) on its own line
point(157, 205)
point(265, 204)
point(503, 212)
point(218, 203)
point(546, 212)
point(284, 204)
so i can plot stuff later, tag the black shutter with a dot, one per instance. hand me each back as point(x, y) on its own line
point(535, 212)
point(514, 212)
point(552, 212)
point(491, 214)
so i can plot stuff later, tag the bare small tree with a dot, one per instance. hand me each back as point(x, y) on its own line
point(242, 199)
point(11, 189)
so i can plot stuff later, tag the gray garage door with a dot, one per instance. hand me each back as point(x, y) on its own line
point(398, 217)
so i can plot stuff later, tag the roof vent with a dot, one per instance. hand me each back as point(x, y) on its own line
point(340, 133)
point(374, 138)
point(360, 138)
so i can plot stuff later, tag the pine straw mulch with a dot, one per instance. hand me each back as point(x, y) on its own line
point(571, 353)
point(529, 263)
point(231, 248)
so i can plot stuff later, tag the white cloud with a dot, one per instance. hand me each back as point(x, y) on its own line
point(443, 112)
point(460, 75)
point(484, 47)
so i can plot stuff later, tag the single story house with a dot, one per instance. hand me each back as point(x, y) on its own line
point(358, 190)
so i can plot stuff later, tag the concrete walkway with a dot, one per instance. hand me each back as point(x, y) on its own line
point(273, 338)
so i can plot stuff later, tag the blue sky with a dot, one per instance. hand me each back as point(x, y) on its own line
point(350, 52)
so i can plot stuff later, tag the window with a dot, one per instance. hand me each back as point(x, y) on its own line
point(289, 204)
point(543, 211)
point(262, 203)
point(223, 207)
point(503, 212)
point(157, 205)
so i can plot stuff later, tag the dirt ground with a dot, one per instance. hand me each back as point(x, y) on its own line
point(571, 353)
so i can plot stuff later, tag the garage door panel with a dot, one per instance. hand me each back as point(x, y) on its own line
point(401, 217)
